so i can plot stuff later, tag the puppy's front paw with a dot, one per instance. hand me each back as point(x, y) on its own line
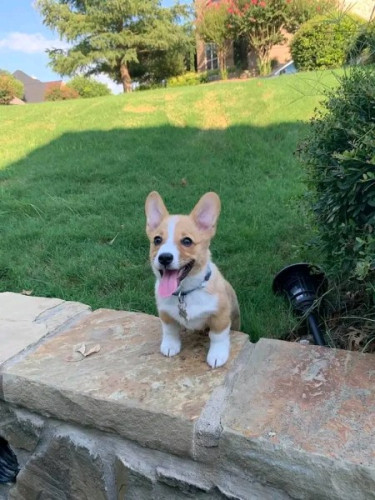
point(170, 347)
point(218, 355)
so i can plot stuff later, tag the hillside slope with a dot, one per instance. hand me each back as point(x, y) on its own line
point(74, 176)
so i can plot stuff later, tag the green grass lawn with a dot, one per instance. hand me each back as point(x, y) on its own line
point(74, 176)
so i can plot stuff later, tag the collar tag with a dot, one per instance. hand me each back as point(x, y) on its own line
point(182, 311)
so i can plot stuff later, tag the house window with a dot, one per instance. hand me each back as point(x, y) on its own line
point(211, 56)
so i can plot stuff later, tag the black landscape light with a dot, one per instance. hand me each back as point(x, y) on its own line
point(302, 284)
point(8, 463)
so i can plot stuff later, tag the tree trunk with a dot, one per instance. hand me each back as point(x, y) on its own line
point(126, 78)
point(222, 53)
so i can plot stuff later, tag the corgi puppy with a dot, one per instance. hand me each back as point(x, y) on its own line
point(190, 290)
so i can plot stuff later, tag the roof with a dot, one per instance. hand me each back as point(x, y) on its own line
point(34, 88)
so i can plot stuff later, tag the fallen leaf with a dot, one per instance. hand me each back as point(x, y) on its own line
point(81, 348)
point(82, 351)
point(95, 348)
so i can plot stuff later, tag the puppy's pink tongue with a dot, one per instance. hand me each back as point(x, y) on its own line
point(168, 283)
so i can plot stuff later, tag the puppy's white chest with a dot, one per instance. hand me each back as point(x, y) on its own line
point(191, 310)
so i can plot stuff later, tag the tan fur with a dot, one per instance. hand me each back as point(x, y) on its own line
point(166, 318)
point(228, 310)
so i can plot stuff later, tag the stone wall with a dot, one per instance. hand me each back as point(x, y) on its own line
point(94, 411)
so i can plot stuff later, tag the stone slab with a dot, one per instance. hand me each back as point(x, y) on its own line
point(127, 387)
point(302, 418)
point(25, 320)
point(65, 466)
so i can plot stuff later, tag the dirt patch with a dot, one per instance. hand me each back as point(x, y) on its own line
point(174, 112)
point(140, 109)
point(268, 95)
point(212, 112)
point(40, 126)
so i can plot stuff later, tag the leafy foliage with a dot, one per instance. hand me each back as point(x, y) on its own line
point(88, 87)
point(362, 49)
point(188, 79)
point(108, 35)
point(301, 11)
point(324, 41)
point(9, 87)
point(264, 23)
point(153, 69)
point(340, 157)
point(60, 93)
point(212, 27)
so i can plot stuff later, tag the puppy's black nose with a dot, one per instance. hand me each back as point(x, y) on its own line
point(165, 259)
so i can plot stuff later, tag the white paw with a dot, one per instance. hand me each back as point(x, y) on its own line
point(170, 347)
point(218, 355)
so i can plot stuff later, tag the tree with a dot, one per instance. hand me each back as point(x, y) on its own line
point(161, 65)
point(264, 22)
point(212, 27)
point(88, 87)
point(107, 36)
point(10, 87)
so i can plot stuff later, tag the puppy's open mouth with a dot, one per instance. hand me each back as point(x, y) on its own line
point(171, 279)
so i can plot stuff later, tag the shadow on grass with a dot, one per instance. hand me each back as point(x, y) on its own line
point(72, 217)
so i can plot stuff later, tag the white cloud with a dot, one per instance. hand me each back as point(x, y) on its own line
point(29, 43)
point(115, 87)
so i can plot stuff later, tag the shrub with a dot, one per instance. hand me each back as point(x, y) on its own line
point(362, 50)
point(187, 79)
point(340, 158)
point(323, 42)
point(9, 87)
point(88, 87)
point(60, 94)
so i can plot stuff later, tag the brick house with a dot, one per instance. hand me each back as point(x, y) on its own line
point(207, 57)
point(34, 88)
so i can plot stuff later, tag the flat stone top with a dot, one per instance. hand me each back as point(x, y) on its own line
point(25, 320)
point(308, 398)
point(127, 371)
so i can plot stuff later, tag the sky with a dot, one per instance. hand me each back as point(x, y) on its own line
point(24, 40)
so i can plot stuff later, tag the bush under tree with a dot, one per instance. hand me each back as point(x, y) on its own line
point(62, 93)
point(10, 87)
point(323, 42)
point(88, 87)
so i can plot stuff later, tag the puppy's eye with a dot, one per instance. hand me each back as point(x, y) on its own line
point(158, 240)
point(187, 242)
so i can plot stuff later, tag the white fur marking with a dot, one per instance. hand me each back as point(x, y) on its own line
point(199, 304)
point(169, 246)
point(171, 342)
point(218, 353)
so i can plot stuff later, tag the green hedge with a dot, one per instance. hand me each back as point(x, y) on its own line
point(187, 79)
point(340, 157)
point(324, 41)
point(88, 87)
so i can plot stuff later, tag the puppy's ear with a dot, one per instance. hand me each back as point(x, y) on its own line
point(206, 212)
point(155, 210)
